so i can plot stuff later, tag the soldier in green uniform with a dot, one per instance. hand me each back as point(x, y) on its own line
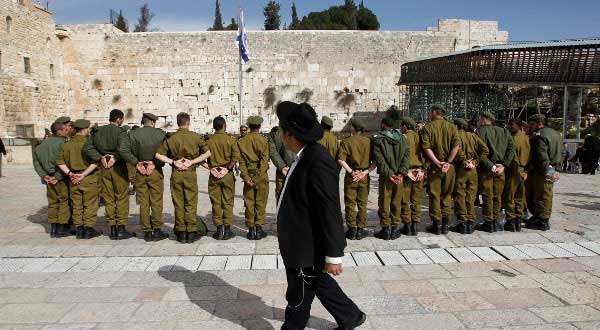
point(472, 151)
point(138, 149)
point(516, 175)
point(281, 158)
point(390, 154)
point(491, 171)
point(412, 192)
point(440, 143)
point(329, 141)
point(254, 164)
point(224, 154)
point(83, 178)
point(57, 193)
point(68, 123)
point(354, 157)
point(131, 170)
point(184, 150)
point(547, 153)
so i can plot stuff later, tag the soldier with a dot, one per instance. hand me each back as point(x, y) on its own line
point(547, 153)
point(472, 152)
point(138, 149)
point(491, 170)
point(68, 123)
point(254, 164)
point(243, 131)
point(354, 157)
point(329, 141)
point(391, 156)
point(103, 147)
point(281, 158)
point(184, 150)
point(44, 163)
point(131, 169)
point(82, 173)
point(516, 175)
point(412, 192)
point(440, 143)
point(224, 154)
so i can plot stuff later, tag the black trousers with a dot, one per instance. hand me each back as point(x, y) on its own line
point(306, 283)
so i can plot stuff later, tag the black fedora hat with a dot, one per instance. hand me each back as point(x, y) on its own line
point(300, 120)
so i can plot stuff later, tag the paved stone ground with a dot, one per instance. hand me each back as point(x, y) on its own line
point(522, 281)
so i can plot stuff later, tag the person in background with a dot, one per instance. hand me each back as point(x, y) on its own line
point(329, 141)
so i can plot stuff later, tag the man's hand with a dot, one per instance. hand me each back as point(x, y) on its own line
point(469, 164)
point(499, 169)
point(181, 164)
point(141, 167)
point(77, 178)
point(111, 161)
point(150, 167)
point(445, 167)
point(411, 175)
point(359, 176)
point(524, 176)
point(215, 172)
point(104, 161)
point(334, 270)
point(285, 170)
point(250, 182)
point(420, 175)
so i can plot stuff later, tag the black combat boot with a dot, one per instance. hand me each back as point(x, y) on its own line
point(414, 231)
point(63, 230)
point(228, 233)
point(193, 237)
point(539, 224)
point(360, 233)
point(487, 226)
point(260, 233)
point(509, 225)
point(159, 235)
point(518, 224)
point(219, 235)
point(90, 233)
point(351, 234)
point(460, 228)
point(181, 237)
point(148, 236)
point(434, 228)
point(385, 233)
point(79, 232)
point(53, 230)
point(251, 234)
point(444, 228)
point(113, 233)
point(470, 227)
point(396, 232)
point(122, 233)
point(406, 230)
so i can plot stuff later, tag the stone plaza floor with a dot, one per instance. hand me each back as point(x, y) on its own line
point(511, 281)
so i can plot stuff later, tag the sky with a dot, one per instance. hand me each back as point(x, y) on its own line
point(525, 20)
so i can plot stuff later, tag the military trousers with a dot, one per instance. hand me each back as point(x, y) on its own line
point(390, 202)
point(465, 193)
point(84, 201)
point(539, 195)
point(279, 181)
point(221, 193)
point(58, 203)
point(184, 192)
point(115, 190)
point(440, 189)
point(149, 196)
point(492, 187)
point(412, 198)
point(255, 201)
point(356, 198)
point(131, 173)
point(513, 198)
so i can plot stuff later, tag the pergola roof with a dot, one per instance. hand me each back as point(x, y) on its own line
point(573, 63)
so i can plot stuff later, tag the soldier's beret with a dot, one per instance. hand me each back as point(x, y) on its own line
point(409, 122)
point(150, 116)
point(438, 107)
point(255, 121)
point(357, 123)
point(81, 123)
point(327, 121)
point(62, 120)
point(461, 123)
point(537, 117)
point(487, 115)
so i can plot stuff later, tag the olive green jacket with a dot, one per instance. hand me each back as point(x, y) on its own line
point(547, 149)
point(141, 144)
point(472, 148)
point(254, 156)
point(71, 154)
point(500, 144)
point(441, 136)
point(44, 157)
point(104, 141)
point(522, 152)
point(280, 157)
point(416, 152)
point(390, 153)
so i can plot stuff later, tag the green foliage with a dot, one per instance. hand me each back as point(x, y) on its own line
point(144, 20)
point(345, 17)
point(233, 26)
point(272, 17)
point(367, 20)
point(121, 23)
point(295, 21)
point(218, 23)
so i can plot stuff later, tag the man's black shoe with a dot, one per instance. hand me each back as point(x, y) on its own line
point(192, 237)
point(63, 230)
point(219, 235)
point(396, 232)
point(351, 234)
point(148, 236)
point(509, 225)
point(122, 233)
point(181, 237)
point(113, 233)
point(361, 233)
point(159, 235)
point(259, 233)
point(361, 321)
point(539, 224)
point(434, 228)
point(518, 225)
point(444, 228)
point(228, 233)
point(487, 226)
point(53, 230)
point(414, 228)
point(251, 234)
point(385, 234)
point(405, 230)
point(90, 233)
point(460, 228)
point(80, 232)
point(470, 227)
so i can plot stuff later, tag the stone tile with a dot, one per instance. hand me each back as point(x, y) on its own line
point(162, 264)
point(113, 264)
point(225, 325)
point(409, 288)
point(132, 250)
point(137, 264)
point(498, 318)
point(151, 294)
point(463, 255)
point(561, 236)
point(534, 252)
point(392, 258)
point(92, 295)
point(426, 271)
point(520, 298)
point(76, 326)
point(575, 295)
point(19, 327)
point(568, 314)
point(406, 243)
point(61, 265)
point(228, 248)
point(33, 313)
point(576, 249)
point(171, 249)
point(255, 277)
point(84, 280)
point(152, 279)
point(465, 284)
point(542, 327)
point(25, 280)
point(579, 278)
point(436, 242)
point(558, 265)
point(417, 322)
point(87, 264)
point(137, 326)
point(23, 295)
point(36, 265)
point(213, 263)
point(242, 309)
point(386, 305)
point(453, 302)
point(366, 259)
point(549, 280)
point(169, 311)
point(440, 256)
point(506, 238)
point(517, 282)
point(356, 289)
point(348, 260)
point(12, 265)
point(265, 292)
point(100, 312)
point(486, 253)
point(45, 251)
point(381, 273)
point(416, 257)
point(522, 267)
point(594, 325)
point(87, 251)
point(510, 252)
point(238, 262)
point(201, 293)
point(592, 246)
point(264, 262)
point(591, 262)
point(555, 250)
point(478, 269)
point(190, 263)
point(13, 251)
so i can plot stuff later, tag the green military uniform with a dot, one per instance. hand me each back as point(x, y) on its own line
point(131, 170)
point(329, 141)
point(115, 180)
point(501, 151)
point(390, 152)
point(280, 157)
point(356, 152)
point(44, 163)
point(412, 191)
point(184, 144)
point(514, 190)
point(83, 196)
point(224, 153)
point(440, 136)
point(546, 150)
point(472, 148)
point(138, 146)
point(254, 164)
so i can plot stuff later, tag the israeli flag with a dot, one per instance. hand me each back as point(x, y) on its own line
point(242, 39)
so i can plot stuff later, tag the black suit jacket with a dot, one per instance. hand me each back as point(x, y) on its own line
point(309, 223)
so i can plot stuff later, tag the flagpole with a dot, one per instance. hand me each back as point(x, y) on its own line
point(240, 68)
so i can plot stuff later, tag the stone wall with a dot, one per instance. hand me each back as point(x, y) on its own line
point(340, 72)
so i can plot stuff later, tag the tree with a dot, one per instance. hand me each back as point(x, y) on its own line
point(344, 17)
point(272, 17)
point(362, 4)
point(144, 20)
point(218, 24)
point(367, 20)
point(295, 21)
point(121, 22)
point(233, 26)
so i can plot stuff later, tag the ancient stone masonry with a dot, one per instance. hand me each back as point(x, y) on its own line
point(98, 67)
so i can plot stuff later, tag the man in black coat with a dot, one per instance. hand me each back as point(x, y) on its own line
point(310, 224)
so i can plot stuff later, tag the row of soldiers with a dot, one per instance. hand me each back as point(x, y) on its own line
point(76, 164)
